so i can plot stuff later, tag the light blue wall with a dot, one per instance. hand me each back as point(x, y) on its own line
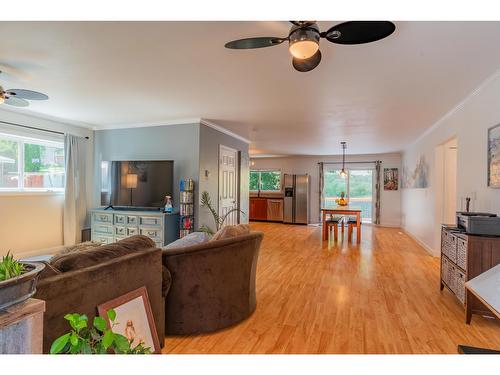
point(171, 142)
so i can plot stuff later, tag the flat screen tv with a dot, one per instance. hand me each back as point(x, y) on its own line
point(137, 183)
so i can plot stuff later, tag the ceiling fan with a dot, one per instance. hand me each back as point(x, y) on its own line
point(19, 97)
point(304, 37)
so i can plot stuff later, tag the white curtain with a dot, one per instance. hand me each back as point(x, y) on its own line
point(75, 205)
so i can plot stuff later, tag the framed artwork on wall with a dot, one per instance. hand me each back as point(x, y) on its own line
point(134, 318)
point(494, 157)
point(391, 179)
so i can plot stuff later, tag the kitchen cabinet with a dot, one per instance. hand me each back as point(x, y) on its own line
point(258, 209)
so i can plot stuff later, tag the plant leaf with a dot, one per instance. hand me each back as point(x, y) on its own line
point(111, 314)
point(100, 323)
point(122, 344)
point(107, 339)
point(73, 338)
point(59, 344)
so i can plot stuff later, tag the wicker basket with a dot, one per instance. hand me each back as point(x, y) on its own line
point(462, 253)
point(459, 285)
point(450, 246)
point(445, 271)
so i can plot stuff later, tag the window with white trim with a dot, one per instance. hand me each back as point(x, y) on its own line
point(31, 164)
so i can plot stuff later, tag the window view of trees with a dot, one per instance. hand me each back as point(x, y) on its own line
point(357, 186)
point(41, 164)
point(266, 180)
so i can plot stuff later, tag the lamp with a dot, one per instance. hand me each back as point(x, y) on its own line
point(343, 172)
point(131, 183)
point(304, 42)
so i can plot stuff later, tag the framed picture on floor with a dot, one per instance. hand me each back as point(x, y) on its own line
point(391, 179)
point(134, 318)
point(494, 157)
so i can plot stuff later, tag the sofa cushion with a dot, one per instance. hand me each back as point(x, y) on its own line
point(88, 245)
point(230, 231)
point(48, 271)
point(191, 239)
point(82, 259)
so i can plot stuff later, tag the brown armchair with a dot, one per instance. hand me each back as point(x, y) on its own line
point(213, 284)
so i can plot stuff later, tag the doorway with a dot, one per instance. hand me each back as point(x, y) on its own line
point(228, 184)
point(446, 186)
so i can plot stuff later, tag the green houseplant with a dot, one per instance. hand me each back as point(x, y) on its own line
point(17, 280)
point(9, 267)
point(95, 339)
point(206, 202)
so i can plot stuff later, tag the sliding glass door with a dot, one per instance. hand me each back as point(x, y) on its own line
point(357, 186)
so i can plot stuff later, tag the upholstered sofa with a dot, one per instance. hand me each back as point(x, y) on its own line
point(80, 281)
point(213, 284)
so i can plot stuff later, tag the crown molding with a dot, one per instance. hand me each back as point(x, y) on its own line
point(224, 130)
point(181, 121)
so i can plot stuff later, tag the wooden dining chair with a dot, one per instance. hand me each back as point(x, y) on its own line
point(334, 221)
point(352, 223)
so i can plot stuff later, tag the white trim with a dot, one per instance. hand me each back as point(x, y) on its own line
point(182, 121)
point(421, 243)
point(456, 108)
point(224, 130)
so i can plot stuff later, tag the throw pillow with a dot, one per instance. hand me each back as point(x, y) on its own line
point(230, 231)
point(191, 239)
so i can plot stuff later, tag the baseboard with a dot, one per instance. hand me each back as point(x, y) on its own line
point(421, 243)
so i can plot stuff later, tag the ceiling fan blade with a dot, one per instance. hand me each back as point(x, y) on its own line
point(16, 102)
point(259, 42)
point(359, 32)
point(306, 65)
point(27, 94)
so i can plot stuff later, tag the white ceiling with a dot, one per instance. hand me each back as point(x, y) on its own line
point(378, 97)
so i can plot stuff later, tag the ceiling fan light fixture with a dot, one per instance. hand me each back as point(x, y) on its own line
point(304, 42)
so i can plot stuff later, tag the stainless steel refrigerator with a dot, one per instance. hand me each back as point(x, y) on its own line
point(296, 200)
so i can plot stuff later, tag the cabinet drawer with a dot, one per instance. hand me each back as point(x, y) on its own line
point(153, 233)
point(132, 220)
point(100, 217)
point(132, 231)
point(103, 239)
point(120, 231)
point(102, 229)
point(460, 285)
point(120, 219)
point(152, 221)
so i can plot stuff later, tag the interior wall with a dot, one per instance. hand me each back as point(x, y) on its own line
point(179, 143)
point(210, 140)
point(469, 123)
point(390, 201)
point(31, 223)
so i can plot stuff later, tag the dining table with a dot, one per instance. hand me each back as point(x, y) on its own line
point(347, 210)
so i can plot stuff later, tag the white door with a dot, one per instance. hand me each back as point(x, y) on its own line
point(228, 184)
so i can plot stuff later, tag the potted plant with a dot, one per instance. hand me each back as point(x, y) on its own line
point(17, 280)
point(206, 202)
point(95, 339)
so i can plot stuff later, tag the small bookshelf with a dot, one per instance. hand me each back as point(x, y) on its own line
point(186, 207)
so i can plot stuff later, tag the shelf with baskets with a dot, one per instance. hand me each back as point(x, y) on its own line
point(186, 207)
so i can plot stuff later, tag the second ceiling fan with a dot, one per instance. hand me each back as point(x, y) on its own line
point(304, 37)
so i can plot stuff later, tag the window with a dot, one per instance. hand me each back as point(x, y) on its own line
point(28, 164)
point(265, 180)
point(357, 187)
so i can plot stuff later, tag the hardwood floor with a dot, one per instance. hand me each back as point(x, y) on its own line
point(312, 297)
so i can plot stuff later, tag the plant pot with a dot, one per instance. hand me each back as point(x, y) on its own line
point(20, 288)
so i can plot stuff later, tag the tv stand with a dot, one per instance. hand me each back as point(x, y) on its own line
point(109, 226)
point(131, 208)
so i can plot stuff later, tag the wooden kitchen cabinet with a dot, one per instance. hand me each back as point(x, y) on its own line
point(258, 209)
point(275, 209)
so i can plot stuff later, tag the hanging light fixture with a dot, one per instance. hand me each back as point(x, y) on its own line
point(343, 172)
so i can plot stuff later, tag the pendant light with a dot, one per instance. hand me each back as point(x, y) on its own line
point(343, 172)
